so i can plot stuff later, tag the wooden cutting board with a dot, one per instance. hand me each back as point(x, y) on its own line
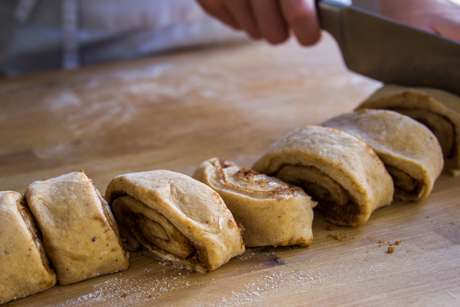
point(175, 111)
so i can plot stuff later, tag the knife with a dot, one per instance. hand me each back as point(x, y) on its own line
point(390, 51)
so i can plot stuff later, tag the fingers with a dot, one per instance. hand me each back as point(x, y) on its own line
point(243, 15)
point(270, 20)
point(302, 18)
point(441, 17)
point(217, 9)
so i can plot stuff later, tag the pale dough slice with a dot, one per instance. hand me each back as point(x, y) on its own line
point(410, 151)
point(175, 218)
point(24, 266)
point(79, 231)
point(340, 172)
point(271, 211)
point(436, 109)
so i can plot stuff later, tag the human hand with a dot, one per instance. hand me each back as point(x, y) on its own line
point(272, 20)
point(436, 16)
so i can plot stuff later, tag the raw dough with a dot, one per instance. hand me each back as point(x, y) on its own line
point(24, 266)
point(175, 218)
point(436, 109)
point(79, 231)
point(410, 151)
point(340, 172)
point(271, 211)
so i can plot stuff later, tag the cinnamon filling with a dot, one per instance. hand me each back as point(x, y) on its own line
point(406, 187)
point(333, 200)
point(249, 181)
point(35, 233)
point(151, 229)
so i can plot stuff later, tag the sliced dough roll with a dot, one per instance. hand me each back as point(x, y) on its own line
point(271, 211)
point(24, 266)
point(175, 218)
point(410, 151)
point(79, 231)
point(436, 109)
point(338, 170)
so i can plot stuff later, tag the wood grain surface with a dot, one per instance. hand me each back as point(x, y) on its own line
point(174, 111)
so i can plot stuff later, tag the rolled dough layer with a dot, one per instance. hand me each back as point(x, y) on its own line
point(410, 151)
point(175, 218)
point(339, 171)
point(271, 211)
point(436, 109)
point(24, 266)
point(79, 232)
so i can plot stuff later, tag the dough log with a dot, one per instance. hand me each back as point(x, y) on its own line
point(271, 211)
point(175, 218)
point(410, 151)
point(79, 232)
point(24, 266)
point(340, 172)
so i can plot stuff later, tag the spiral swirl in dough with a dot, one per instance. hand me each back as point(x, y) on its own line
point(339, 171)
point(436, 109)
point(271, 211)
point(410, 151)
point(174, 218)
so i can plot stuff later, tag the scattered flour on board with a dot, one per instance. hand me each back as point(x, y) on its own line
point(273, 283)
point(61, 99)
point(260, 287)
point(132, 290)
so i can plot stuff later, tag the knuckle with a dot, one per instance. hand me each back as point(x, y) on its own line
point(295, 11)
point(211, 5)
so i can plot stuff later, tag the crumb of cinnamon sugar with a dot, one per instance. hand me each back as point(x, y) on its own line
point(391, 249)
point(428, 217)
point(453, 223)
point(338, 236)
point(334, 236)
point(398, 242)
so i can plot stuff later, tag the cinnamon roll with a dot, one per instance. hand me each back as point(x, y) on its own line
point(24, 266)
point(339, 171)
point(271, 211)
point(410, 151)
point(436, 109)
point(175, 218)
point(79, 232)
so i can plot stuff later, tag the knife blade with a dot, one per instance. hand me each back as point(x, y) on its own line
point(390, 51)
